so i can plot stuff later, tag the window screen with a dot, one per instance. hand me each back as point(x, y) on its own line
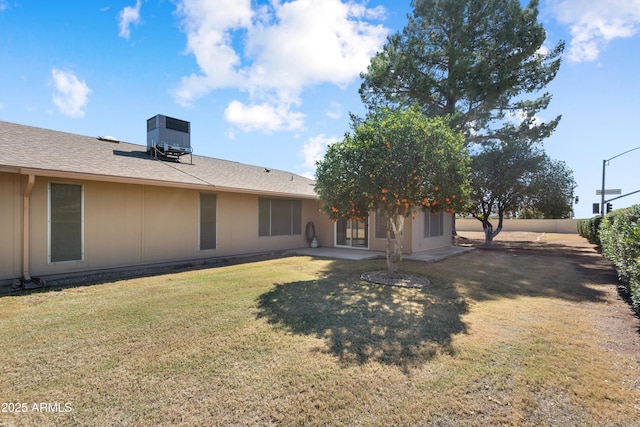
point(433, 224)
point(381, 226)
point(264, 217)
point(65, 227)
point(279, 217)
point(208, 221)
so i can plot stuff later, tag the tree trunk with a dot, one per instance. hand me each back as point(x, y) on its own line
point(487, 227)
point(489, 233)
point(395, 228)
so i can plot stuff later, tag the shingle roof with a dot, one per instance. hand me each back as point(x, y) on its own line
point(52, 152)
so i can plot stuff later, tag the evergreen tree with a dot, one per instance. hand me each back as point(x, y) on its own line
point(475, 60)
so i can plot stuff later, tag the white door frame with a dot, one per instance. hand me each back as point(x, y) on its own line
point(350, 239)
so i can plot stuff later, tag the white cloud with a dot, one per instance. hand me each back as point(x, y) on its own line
point(208, 26)
point(274, 52)
point(265, 117)
point(519, 116)
point(129, 15)
point(4, 5)
point(311, 42)
point(313, 150)
point(593, 24)
point(543, 50)
point(71, 95)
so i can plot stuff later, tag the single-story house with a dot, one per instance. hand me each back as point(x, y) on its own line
point(72, 204)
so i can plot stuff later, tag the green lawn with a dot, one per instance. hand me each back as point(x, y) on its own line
point(505, 337)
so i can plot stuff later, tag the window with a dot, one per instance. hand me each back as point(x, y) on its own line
point(433, 224)
point(208, 221)
point(65, 222)
point(279, 217)
point(381, 226)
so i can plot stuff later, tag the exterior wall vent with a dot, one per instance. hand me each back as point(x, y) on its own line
point(168, 138)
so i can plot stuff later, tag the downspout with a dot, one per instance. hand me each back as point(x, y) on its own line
point(25, 228)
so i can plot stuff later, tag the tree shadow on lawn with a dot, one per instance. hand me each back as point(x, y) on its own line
point(364, 322)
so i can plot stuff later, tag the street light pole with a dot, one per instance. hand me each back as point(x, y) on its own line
point(604, 164)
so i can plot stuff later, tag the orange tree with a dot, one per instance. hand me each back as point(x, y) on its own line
point(395, 162)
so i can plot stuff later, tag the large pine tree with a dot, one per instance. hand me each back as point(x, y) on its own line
point(476, 60)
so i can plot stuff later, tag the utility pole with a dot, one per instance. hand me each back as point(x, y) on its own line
point(604, 165)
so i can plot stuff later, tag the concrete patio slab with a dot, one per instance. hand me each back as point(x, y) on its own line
point(339, 253)
point(362, 255)
point(438, 254)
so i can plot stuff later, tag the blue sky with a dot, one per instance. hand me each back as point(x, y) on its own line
point(271, 83)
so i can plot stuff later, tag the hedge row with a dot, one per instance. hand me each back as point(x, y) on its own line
point(618, 235)
point(590, 229)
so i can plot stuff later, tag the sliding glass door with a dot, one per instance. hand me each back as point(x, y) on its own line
point(352, 233)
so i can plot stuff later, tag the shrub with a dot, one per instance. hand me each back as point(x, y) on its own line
point(581, 226)
point(620, 242)
point(589, 229)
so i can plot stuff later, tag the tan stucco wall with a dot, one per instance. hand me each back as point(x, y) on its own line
point(377, 244)
point(170, 224)
point(419, 243)
point(123, 225)
point(10, 224)
point(414, 240)
point(130, 224)
point(324, 227)
point(380, 244)
point(567, 226)
point(113, 224)
point(238, 226)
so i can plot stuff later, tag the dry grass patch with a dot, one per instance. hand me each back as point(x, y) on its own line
point(512, 336)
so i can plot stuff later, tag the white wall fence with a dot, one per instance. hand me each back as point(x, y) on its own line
point(568, 226)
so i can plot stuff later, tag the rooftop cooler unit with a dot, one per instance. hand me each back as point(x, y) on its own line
point(168, 138)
